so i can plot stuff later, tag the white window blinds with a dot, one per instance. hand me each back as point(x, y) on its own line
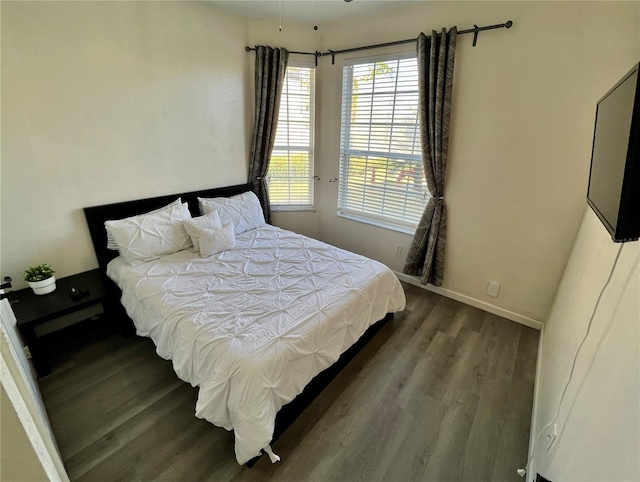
point(381, 175)
point(290, 176)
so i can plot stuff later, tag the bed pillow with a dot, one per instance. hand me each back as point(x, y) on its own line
point(216, 240)
point(195, 225)
point(111, 243)
point(243, 210)
point(151, 236)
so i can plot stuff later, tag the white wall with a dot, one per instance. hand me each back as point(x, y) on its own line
point(522, 123)
point(111, 101)
point(599, 420)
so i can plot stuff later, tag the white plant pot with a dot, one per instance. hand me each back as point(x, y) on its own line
point(43, 287)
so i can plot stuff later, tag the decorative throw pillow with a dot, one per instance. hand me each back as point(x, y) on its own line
point(195, 225)
point(243, 210)
point(151, 236)
point(111, 243)
point(216, 240)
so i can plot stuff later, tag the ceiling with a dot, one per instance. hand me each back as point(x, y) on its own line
point(305, 10)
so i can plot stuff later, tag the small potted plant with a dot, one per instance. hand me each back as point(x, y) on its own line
point(40, 279)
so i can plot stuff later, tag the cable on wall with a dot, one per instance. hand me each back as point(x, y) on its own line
point(315, 27)
point(522, 472)
point(634, 268)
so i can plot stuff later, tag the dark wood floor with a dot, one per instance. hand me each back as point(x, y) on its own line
point(443, 392)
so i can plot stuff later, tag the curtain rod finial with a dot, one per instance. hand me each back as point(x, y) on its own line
point(248, 49)
point(508, 24)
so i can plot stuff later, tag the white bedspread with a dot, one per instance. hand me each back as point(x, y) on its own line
point(253, 325)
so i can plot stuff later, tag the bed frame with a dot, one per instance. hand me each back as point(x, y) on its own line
point(97, 215)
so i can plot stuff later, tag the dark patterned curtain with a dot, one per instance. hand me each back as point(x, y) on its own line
point(436, 57)
point(271, 66)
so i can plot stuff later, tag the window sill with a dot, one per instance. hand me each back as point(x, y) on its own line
point(378, 223)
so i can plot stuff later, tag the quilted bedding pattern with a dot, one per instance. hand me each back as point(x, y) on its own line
point(251, 326)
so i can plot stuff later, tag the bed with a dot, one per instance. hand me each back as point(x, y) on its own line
point(252, 325)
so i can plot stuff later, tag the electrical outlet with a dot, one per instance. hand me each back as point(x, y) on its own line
point(493, 288)
point(552, 435)
point(27, 351)
point(398, 249)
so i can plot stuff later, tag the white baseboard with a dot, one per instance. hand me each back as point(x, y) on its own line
point(536, 395)
point(488, 307)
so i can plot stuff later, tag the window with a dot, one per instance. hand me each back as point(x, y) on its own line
point(290, 177)
point(381, 177)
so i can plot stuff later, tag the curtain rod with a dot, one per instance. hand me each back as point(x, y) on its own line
point(316, 54)
point(475, 31)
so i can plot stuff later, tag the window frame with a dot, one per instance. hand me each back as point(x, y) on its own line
point(288, 148)
point(345, 136)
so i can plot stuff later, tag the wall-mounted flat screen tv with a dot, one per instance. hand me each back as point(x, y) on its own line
point(614, 180)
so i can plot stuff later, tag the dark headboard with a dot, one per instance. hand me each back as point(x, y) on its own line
point(97, 215)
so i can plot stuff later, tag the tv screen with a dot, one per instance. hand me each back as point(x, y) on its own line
point(614, 181)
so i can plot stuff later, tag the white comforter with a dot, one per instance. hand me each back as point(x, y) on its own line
point(253, 325)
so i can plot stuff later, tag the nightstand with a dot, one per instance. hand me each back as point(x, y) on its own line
point(32, 310)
